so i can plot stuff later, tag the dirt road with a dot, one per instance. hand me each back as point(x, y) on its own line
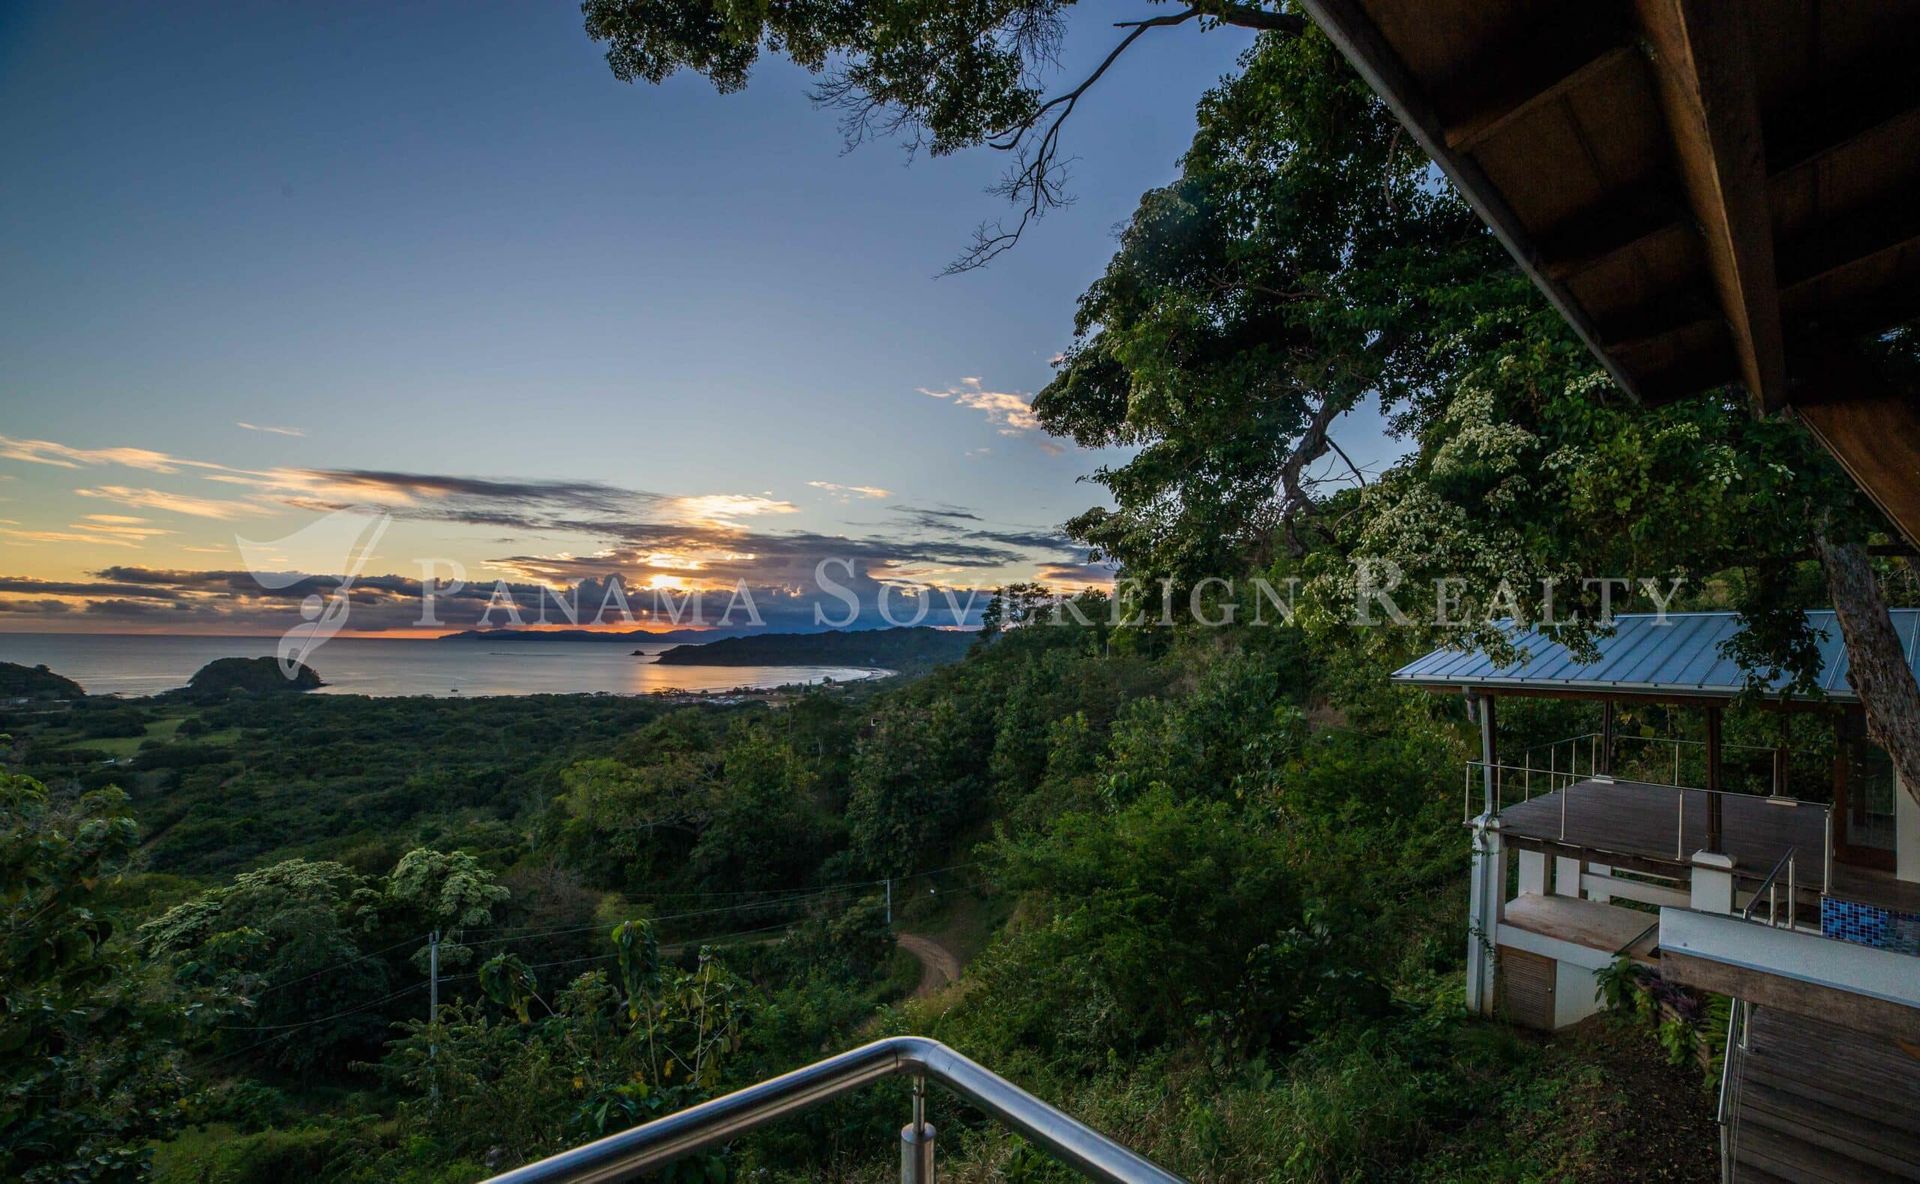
point(938, 966)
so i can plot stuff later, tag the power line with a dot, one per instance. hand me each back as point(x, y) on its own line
point(324, 1019)
point(294, 982)
point(283, 1030)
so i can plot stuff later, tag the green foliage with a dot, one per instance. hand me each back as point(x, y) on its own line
point(286, 940)
point(1164, 917)
point(1302, 262)
point(225, 677)
point(601, 1058)
point(88, 1071)
point(331, 777)
point(918, 648)
point(35, 682)
point(446, 892)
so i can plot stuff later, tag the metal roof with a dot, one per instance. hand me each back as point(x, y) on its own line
point(1648, 653)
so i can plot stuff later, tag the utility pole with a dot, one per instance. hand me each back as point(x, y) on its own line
point(433, 1000)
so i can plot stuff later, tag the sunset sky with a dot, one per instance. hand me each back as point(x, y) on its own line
point(260, 262)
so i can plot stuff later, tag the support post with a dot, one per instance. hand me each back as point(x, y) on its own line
point(916, 1140)
point(433, 1001)
point(1489, 752)
point(889, 902)
point(1713, 779)
point(1606, 737)
point(1484, 906)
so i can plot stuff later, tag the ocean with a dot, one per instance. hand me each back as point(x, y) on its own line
point(144, 665)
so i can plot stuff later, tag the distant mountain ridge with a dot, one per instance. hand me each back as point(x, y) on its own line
point(629, 636)
point(917, 648)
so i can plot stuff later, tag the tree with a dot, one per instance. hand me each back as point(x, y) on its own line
point(446, 892)
point(286, 940)
point(1303, 262)
point(1309, 258)
point(944, 77)
point(89, 1072)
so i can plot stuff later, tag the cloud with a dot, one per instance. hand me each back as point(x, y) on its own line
point(843, 491)
point(62, 536)
point(46, 452)
point(175, 503)
point(1011, 413)
point(269, 428)
point(36, 608)
point(722, 508)
point(1076, 576)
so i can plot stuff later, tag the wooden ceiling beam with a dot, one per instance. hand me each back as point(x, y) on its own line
point(1850, 237)
point(1705, 80)
point(1870, 427)
point(1347, 24)
point(1845, 104)
point(1525, 84)
point(1530, 64)
point(1796, 139)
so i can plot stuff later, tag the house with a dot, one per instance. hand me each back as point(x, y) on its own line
point(1801, 902)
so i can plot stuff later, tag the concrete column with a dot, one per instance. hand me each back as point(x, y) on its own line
point(1601, 870)
point(1533, 872)
point(1712, 882)
point(1566, 876)
point(1485, 905)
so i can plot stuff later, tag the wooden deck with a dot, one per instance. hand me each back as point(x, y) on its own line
point(1633, 818)
point(1818, 1103)
point(1875, 887)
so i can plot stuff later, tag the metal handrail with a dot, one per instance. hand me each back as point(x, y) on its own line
point(657, 1143)
point(1766, 887)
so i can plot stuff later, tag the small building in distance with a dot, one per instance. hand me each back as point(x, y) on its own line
point(1800, 902)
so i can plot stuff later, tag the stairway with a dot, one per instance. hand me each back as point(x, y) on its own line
point(1821, 1104)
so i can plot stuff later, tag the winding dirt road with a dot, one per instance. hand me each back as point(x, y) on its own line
point(938, 966)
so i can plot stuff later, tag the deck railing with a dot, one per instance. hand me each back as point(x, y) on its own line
point(1515, 784)
point(1573, 753)
point(1770, 888)
point(656, 1144)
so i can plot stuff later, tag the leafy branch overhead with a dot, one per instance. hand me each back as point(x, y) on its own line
point(943, 77)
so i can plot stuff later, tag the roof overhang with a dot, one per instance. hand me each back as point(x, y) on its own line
point(1708, 192)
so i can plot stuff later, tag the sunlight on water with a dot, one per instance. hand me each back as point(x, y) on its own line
point(368, 666)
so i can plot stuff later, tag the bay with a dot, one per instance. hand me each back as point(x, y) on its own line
point(145, 664)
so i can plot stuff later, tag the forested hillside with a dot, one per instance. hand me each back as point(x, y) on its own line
point(917, 648)
point(1223, 931)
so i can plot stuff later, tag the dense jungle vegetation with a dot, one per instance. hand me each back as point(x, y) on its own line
point(1205, 901)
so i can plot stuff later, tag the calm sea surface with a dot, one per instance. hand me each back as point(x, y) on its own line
point(369, 666)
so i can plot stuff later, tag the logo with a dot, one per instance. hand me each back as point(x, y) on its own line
point(343, 539)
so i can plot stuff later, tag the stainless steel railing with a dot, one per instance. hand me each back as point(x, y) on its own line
point(657, 1143)
point(1770, 888)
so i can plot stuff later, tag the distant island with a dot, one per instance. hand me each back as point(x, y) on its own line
point(889, 649)
point(247, 676)
point(36, 682)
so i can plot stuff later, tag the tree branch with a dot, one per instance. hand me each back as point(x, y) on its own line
point(1876, 661)
point(1036, 178)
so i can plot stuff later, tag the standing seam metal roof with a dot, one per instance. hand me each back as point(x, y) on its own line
point(1678, 653)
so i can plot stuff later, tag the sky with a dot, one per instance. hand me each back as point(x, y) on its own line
point(278, 279)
